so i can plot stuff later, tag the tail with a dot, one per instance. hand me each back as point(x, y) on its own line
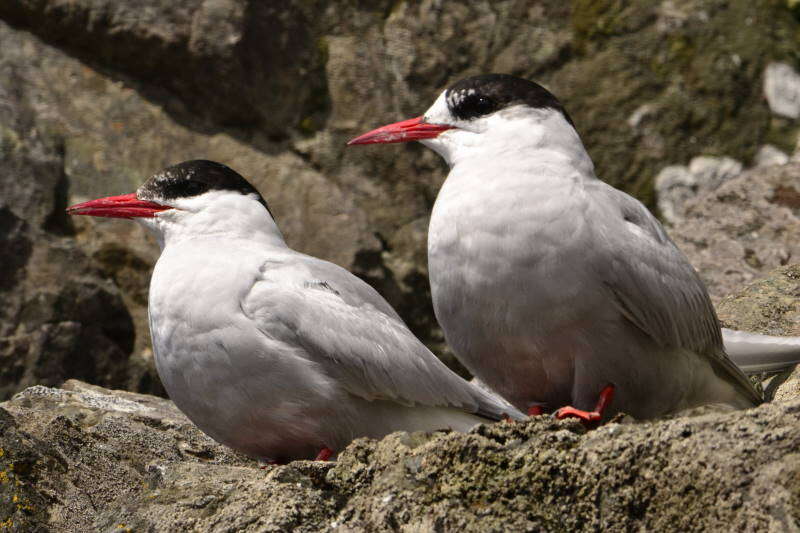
point(755, 353)
point(493, 406)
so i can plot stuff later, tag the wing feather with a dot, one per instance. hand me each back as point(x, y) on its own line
point(655, 286)
point(345, 326)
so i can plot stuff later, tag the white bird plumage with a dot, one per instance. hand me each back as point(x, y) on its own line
point(279, 354)
point(550, 284)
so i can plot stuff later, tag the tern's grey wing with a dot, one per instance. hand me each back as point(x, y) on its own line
point(653, 283)
point(345, 326)
point(352, 290)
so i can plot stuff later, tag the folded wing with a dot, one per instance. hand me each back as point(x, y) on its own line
point(347, 328)
point(655, 287)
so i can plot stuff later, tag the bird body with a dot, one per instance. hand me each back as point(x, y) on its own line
point(526, 304)
point(549, 284)
point(276, 353)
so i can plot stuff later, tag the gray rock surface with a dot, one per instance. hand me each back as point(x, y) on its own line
point(743, 229)
point(676, 185)
point(58, 316)
point(768, 155)
point(123, 89)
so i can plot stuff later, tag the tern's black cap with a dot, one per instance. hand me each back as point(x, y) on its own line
point(193, 178)
point(481, 95)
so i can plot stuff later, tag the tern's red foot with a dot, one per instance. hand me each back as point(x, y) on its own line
point(571, 412)
point(589, 417)
point(324, 454)
point(535, 410)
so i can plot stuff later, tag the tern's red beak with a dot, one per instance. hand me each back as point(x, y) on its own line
point(123, 206)
point(412, 129)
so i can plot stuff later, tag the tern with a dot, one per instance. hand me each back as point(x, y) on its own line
point(555, 289)
point(271, 352)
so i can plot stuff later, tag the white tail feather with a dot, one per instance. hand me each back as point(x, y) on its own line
point(755, 353)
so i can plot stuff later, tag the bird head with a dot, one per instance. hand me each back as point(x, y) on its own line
point(484, 116)
point(188, 199)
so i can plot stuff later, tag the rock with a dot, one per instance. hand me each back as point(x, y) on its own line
point(86, 458)
point(223, 58)
point(769, 155)
point(676, 185)
point(544, 475)
point(742, 230)
point(788, 386)
point(782, 89)
point(59, 318)
point(771, 306)
point(714, 171)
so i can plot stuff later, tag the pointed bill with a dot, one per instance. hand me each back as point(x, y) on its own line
point(123, 206)
point(413, 129)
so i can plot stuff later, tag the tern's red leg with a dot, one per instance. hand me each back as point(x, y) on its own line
point(606, 395)
point(535, 410)
point(324, 454)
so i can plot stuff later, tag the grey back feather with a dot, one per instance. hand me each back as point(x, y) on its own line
point(656, 288)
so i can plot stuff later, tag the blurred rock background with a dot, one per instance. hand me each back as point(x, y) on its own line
point(690, 105)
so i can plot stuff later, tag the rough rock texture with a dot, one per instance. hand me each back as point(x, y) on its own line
point(677, 184)
point(275, 89)
point(770, 305)
point(58, 317)
point(743, 229)
point(768, 155)
point(86, 458)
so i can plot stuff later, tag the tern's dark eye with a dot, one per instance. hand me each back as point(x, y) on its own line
point(473, 106)
point(193, 188)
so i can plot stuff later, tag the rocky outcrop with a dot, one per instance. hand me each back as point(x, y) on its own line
point(85, 458)
point(770, 306)
point(274, 89)
point(58, 317)
point(677, 185)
